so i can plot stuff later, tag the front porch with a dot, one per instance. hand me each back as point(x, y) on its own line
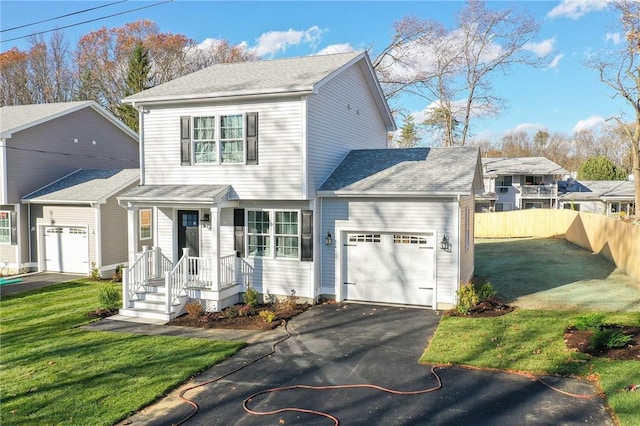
point(154, 288)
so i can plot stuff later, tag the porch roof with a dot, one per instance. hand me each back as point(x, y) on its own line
point(176, 194)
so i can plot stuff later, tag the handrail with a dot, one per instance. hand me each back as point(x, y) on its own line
point(150, 263)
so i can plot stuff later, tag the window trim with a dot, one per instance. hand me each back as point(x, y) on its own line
point(272, 235)
point(8, 227)
point(140, 225)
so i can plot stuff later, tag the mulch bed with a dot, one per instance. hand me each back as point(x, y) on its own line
point(580, 340)
point(244, 322)
point(493, 307)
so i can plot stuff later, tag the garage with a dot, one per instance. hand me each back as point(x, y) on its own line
point(390, 268)
point(66, 249)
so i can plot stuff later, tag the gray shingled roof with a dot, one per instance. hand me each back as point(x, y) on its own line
point(250, 78)
point(522, 166)
point(176, 193)
point(438, 171)
point(85, 186)
point(14, 118)
point(587, 190)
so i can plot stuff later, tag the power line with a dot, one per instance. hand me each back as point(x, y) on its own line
point(66, 154)
point(85, 22)
point(61, 16)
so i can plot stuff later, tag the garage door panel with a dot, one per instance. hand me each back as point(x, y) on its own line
point(66, 249)
point(390, 268)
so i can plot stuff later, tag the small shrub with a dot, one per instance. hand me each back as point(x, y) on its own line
point(194, 309)
point(230, 312)
point(94, 275)
point(287, 304)
point(109, 297)
point(245, 311)
point(268, 316)
point(590, 321)
point(117, 275)
point(250, 297)
point(470, 295)
point(608, 338)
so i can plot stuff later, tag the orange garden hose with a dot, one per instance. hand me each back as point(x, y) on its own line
point(245, 403)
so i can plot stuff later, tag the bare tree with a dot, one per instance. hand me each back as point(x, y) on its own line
point(14, 80)
point(452, 70)
point(621, 72)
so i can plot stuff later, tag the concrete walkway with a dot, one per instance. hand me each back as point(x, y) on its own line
point(346, 344)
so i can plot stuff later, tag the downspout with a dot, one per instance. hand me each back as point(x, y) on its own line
point(97, 237)
point(29, 233)
point(456, 275)
point(3, 167)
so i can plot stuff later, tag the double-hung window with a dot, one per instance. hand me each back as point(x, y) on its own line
point(5, 227)
point(273, 234)
point(219, 139)
point(145, 224)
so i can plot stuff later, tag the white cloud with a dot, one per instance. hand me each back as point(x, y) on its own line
point(529, 128)
point(541, 49)
point(592, 123)
point(272, 42)
point(616, 38)
point(336, 48)
point(575, 9)
point(556, 61)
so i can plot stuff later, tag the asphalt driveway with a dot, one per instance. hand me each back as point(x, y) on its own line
point(36, 280)
point(343, 344)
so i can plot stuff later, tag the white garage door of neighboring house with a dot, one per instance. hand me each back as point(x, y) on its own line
point(66, 249)
point(390, 268)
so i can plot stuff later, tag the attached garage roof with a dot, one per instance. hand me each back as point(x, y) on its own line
point(84, 186)
point(522, 166)
point(176, 194)
point(424, 171)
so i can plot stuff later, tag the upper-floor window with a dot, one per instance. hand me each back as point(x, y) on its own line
point(228, 139)
point(5, 227)
point(504, 181)
point(534, 180)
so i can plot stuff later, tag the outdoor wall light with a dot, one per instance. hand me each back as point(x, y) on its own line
point(205, 219)
point(445, 244)
point(328, 240)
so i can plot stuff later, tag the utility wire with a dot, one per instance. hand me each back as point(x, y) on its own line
point(66, 154)
point(85, 22)
point(61, 16)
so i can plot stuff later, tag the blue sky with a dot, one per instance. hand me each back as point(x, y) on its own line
point(564, 97)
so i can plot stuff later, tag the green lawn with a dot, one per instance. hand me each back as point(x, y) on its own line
point(53, 372)
point(532, 341)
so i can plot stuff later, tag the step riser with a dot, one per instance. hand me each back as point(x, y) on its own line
point(150, 297)
point(146, 314)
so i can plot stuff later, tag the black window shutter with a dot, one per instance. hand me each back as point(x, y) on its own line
point(252, 138)
point(238, 231)
point(307, 236)
point(185, 141)
point(13, 222)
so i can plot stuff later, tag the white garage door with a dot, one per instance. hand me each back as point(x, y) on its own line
point(390, 268)
point(66, 249)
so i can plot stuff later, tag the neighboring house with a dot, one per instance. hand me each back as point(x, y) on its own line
point(275, 175)
point(609, 197)
point(519, 183)
point(78, 222)
point(40, 144)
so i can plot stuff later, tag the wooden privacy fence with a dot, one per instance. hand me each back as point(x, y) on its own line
point(617, 241)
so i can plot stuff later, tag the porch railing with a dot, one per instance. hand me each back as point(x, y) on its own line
point(234, 270)
point(151, 263)
point(540, 191)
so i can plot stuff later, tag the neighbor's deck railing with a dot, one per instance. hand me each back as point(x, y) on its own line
point(539, 191)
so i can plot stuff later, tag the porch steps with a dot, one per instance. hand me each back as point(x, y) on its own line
point(150, 303)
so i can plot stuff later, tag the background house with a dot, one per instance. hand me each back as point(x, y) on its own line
point(233, 159)
point(598, 196)
point(519, 183)
point(40, 144)
point(78, 223)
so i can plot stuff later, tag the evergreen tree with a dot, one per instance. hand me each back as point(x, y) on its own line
point(138, 79)
point(600, 168)
point(408, 133)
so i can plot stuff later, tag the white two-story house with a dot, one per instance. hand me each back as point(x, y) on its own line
point(520, 183)
point(276, 175)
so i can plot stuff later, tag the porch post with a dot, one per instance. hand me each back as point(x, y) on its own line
point(215, 244)
point(132, 235)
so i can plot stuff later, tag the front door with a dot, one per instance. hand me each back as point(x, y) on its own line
point(188, 232)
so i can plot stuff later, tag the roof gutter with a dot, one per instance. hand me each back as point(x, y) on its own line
point(362, 194)
point(227, 96)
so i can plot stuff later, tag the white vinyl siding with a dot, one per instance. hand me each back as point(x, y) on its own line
point(278, 174)
point(166, 233)
point(390, 215)
point(343, 116)
point(113, 233)
point(467, 227)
